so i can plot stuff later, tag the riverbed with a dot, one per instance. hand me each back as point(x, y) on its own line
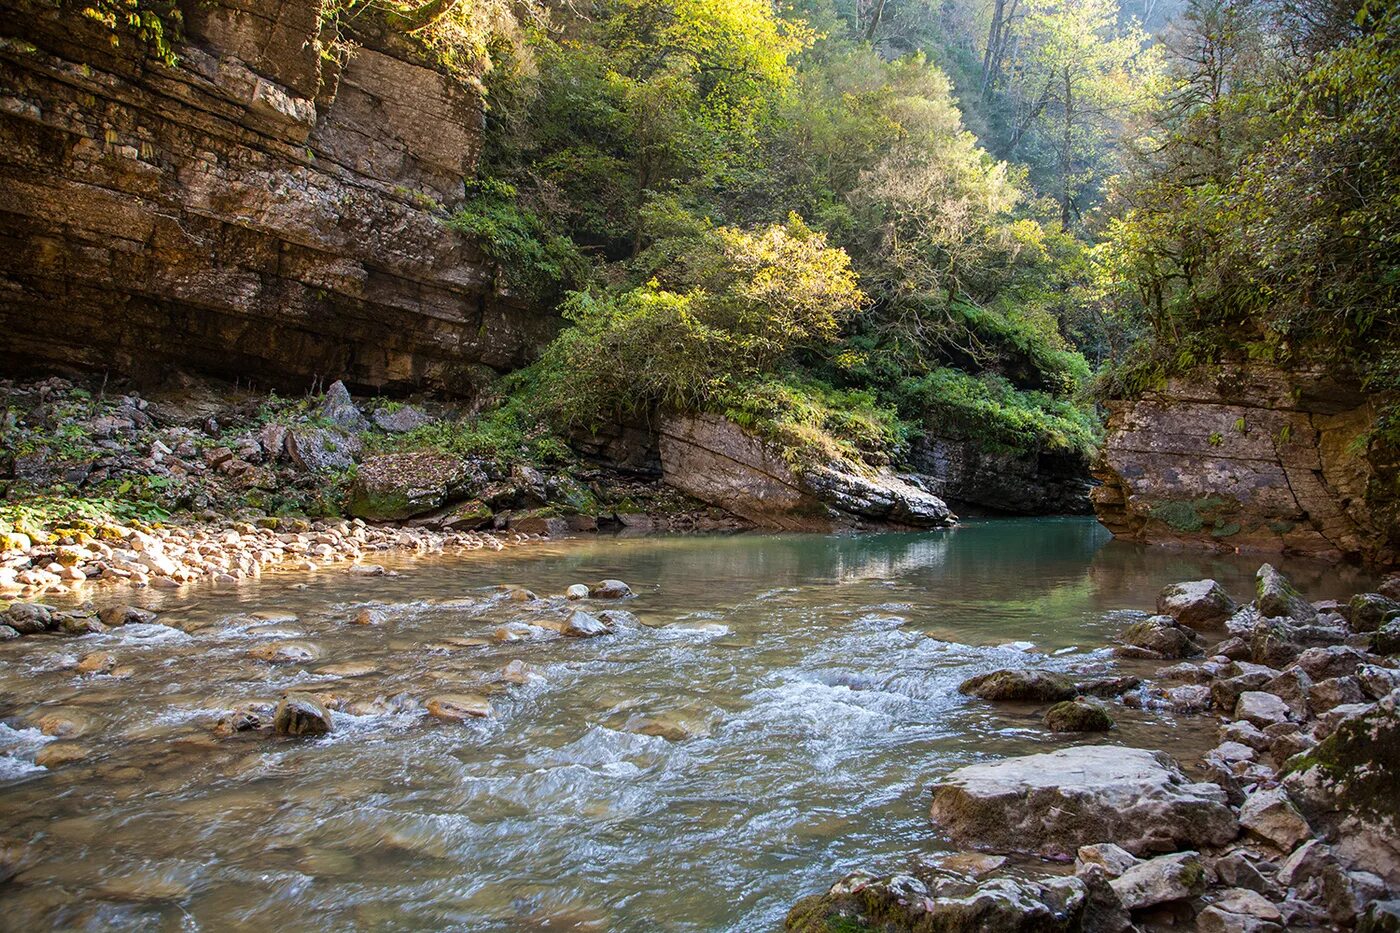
point(771, 718)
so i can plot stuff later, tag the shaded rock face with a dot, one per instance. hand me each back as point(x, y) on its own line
point(718, 462)
point(1050, 804)
point(1027, 484)
point(1349, 786)
point(256, 211)
point(1250, 457)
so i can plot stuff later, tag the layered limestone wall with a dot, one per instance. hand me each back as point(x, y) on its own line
point(1251, 457)
point(256, 212)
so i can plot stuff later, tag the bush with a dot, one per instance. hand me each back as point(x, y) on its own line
point(538, 264)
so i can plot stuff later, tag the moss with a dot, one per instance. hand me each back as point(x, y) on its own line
point(1225, 531)
point(1179, 515)
point(1360, 763)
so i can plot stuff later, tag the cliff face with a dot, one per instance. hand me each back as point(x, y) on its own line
point(1021, 484)
point(256, 211)
point(1251, 457)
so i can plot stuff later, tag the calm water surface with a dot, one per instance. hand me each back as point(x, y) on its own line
point(814, 675)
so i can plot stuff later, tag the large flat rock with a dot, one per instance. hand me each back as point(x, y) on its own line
point(719, 462)
point(1050, 804)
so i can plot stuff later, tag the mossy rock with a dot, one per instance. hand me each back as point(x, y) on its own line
point(1024, 686)
point(1077, 716)
point(392, 487)
point(1367, 612)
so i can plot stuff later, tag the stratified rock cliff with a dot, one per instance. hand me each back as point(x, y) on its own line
point(1251, 457)
point(256, 211)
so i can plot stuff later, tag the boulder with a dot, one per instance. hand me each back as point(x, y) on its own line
point(1380, 917)
point(1262, 709)
point(610, 589)
point(1277, 597)
point(400, 420)
point(1078, 716)
point(1226, 693)
point(1111, 859)
point(718, 462)
point(1292, 688)
point(1377, 681)
point(8, 633)
point(1336, 661)
point(1386, 639)
point(1334, 692)
point(580, 624)
point(322, 450)
point(301, 714)
point(396, 486)
point(1162, 636)
point(1161, 880)
point(1349, 788)
point(576, 591)
point(1198, 604)
point(1369, 611)
point(1107, 687)
point(338, 408)
point(1051, 804)
point(29, 618)
point(1271, 816)
point(1024, 685)
point(944, 901)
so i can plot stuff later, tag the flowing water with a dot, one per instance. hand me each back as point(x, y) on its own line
point(773, 722)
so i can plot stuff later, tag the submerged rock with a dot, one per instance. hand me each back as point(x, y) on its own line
point(1051, 804)
point(300, 714)
point(459, 706)
point(1025, 685)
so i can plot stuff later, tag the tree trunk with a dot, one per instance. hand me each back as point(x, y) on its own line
point(1066, 152)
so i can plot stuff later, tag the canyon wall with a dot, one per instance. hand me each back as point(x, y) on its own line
point(1251, 457)
point(262, 210)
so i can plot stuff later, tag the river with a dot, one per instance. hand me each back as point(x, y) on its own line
point(773, 722)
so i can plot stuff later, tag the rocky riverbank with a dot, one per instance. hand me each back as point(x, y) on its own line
point(208, 482)
point(1291, 822)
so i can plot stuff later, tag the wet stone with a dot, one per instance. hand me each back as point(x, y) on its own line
point(459, 707)
point(301, 714)
point(1019, 685)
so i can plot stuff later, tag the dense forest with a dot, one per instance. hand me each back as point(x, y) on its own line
point(843, 224)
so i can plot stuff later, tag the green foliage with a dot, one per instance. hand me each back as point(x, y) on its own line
point(741, 302)
point(537, 263)
point(992, 411)
point(156, 24)
point(1261, 222)
point(810, 420)
point(506, 433)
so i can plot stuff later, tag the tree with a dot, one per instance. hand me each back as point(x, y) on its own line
point(1073, 78)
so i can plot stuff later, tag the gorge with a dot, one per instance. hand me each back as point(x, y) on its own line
point(699, 465)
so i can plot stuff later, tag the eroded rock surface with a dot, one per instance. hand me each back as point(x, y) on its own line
point(718, 462)
point(256, 211)
point(1051, 804)
point(1250, 457)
